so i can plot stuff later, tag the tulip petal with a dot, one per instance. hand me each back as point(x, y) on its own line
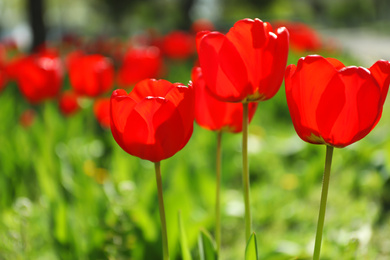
point(292, 87)
point(120, 108)
point(153, 130)
point(331, 104)
point(307, 87)
point(171, 133)
point(338, 65)
point(199, 37)
point(209, 111)
point(249, 37)
point(216, 78)
point(272, 63)
point(370, 104)
point(381, 73)
point(213, 114)
point(360, 111)
point(152, 88)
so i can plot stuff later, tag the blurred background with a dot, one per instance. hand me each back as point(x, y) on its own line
point(68, 191)
point(116, 18)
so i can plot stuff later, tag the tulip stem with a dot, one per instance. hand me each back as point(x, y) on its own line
point(162, 211)
point(324, 196)
point(245, 171)
point(218, 191)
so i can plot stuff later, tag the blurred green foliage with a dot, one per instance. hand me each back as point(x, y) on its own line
point(68, 191)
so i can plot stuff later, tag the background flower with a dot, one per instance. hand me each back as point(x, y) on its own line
point(68, 103)
point(178, 45)
point(90, 75)
point(139, 64)
point(101, 109)
point(39, 76)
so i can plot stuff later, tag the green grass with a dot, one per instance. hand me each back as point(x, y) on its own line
point(68, 191)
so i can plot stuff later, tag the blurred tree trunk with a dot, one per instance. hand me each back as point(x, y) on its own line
point(35, 9)
point(186, 22)
point(318, 8)
point(381, 9)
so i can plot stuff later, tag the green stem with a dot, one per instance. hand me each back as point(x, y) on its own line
point(162, 211)
point(245, 171)
point(324, 196)
point(218, 192)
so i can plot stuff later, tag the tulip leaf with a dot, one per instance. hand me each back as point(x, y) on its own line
point(207, 247)
point(251, 248)
point(185, 252)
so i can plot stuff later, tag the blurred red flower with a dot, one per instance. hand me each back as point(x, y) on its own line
point(215, 115)
point(101, 109)
point(27, 118)
point(155, 120)
point(139, 64)
point(178, 45)
point(247, 64)
point(3, 79)
point(302, 36)
point(332, 104)
point(39, 75)
point(3, 67)
point(90, 75)
point(202, 25)
point(68, 103)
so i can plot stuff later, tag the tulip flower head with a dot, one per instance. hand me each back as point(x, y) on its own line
point(39, 75)
point(247, 64)
point(90, 75)
point(213, 114)
point(302, 36)
point(178, 45)
point(139, 64)
point(332, 104)
point(68, 103)
point(155, 120)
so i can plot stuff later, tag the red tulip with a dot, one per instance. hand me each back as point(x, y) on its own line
point(3, 67)
point(90, 75)
point(178, 45)
point(302, 36)
point(202, 25)
point(332, 104)
point(246, 64)
point(39, 76)
point(215, 115)
point(101, 109)
point(3, 77)
point(139, 64)
point(68, 103)
point(3, 80)
point(155, 120)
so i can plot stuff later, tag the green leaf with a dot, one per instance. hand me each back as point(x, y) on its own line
point(251, 248)
point(207, 248)
point(185, 252)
